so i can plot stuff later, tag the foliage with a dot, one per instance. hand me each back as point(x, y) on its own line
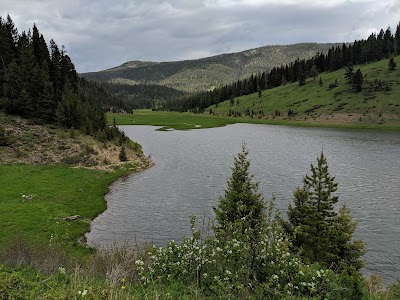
point(392, 64)
point(40, 83)
point(322, 106)
point(313, 72)
point(236, 266)
point(122, 154)
point(357, 80)
point(316, 230)
point(242, 201)
point(235, 262)
point(302, 77)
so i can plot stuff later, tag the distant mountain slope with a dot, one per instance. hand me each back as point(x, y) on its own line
point(205, 73)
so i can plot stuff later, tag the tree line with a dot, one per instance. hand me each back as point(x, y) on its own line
point(39, 82)
point(375, 47)
point(142, 95)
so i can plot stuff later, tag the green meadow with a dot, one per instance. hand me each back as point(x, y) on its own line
point(170, 120)
point(376, 106)
point(35, 200)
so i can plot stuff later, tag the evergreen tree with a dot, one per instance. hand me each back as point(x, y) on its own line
point(318, 232)
point(314, 72)
point(301, 76)
point(349, 72)
point(11, 87)
point(397, 40)
point(69, 110)
point(242, 202)
point(8, 49)
point(392, 64)
point(358, 80)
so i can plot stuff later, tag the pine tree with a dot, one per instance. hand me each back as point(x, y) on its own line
point(358, 80)
point(8, 49)
point(397, 40)
point(349, 73)
point(69, 110)
point(314, 72)
point(242, 201)
point(301, 76)
point(318, 232)
point(392, 64)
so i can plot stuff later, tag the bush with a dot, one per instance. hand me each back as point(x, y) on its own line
point(122, 154)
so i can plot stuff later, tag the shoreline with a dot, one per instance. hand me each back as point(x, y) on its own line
point(150, 163)
point(187, 121)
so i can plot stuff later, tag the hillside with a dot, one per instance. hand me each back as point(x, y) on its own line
point(23, 142)
point(206, 73)
point(378, 103)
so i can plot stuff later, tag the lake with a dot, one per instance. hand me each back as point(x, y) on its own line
point(192, 168)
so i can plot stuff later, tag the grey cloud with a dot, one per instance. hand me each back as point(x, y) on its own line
point(103, 34)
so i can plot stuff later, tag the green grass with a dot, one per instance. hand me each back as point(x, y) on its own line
point(374, 109)
point(169, 120)
point(57, 192)
point(314, 105)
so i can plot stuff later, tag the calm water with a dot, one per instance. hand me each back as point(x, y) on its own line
point(192, 168)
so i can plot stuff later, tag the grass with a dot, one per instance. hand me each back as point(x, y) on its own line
point(170, 120)
point(312, 104)
point(51, 194)
point(315, 104)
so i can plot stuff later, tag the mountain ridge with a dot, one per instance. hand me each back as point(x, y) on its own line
point(208, 72)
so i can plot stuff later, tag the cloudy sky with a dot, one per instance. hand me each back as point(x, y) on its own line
point(105, 33)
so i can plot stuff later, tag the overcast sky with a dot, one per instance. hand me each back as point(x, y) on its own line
point(105, 33)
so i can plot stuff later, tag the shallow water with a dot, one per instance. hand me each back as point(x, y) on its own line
point(192, 168)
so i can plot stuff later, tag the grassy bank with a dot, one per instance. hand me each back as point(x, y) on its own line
point(35, 200)
point(48, 174)
point(187, 121)
point(170, 120)
point(330, 102)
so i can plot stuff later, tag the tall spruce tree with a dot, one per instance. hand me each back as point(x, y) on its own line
point(242, 201)
point(316, 230)
point(397, 40)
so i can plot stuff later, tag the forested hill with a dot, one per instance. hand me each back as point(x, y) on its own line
point(39, 82)
point(206, 73)
point(376, 47)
